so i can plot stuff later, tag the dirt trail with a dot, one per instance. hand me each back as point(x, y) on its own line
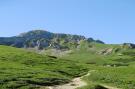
point(75, 83)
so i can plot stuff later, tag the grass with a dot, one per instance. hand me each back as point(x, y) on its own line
point(113, 69)
point(120, 77)
point(20, 69)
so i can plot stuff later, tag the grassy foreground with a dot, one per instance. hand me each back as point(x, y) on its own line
point(116, 69)
point(20, 69)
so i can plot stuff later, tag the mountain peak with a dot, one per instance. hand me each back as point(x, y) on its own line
point(45, 39)
point(34, 33)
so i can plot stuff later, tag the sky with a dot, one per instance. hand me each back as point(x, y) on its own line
point(112, 21)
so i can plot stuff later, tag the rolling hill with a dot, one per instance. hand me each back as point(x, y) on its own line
point(20, 69)
point(111, 64)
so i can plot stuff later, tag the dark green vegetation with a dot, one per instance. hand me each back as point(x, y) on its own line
point(20, 69)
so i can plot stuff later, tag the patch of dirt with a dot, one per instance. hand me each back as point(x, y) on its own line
point(76, 83)
point(106, 51)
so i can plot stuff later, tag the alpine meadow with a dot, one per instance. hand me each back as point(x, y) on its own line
point(40, 59)
point(67, 44)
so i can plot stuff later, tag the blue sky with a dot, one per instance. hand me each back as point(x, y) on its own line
point(112, 21)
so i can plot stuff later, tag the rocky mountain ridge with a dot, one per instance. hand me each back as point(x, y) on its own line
point(43, 39)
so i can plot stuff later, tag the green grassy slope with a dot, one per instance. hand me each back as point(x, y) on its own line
point(20, 69)
point(116, 69)
point(113, 65)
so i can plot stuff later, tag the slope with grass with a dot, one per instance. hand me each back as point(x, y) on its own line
point(115, 68)
point(20, 69)
point(114, 64)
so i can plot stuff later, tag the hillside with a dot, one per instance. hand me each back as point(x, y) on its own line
point(107, 65)
point(20, 69)
point(112, 65)
point(41, 39)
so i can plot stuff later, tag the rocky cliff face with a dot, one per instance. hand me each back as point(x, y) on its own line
point(128, 45)
point(41, 39)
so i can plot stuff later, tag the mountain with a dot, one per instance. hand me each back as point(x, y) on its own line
point(109, 65)
point(41, 39)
